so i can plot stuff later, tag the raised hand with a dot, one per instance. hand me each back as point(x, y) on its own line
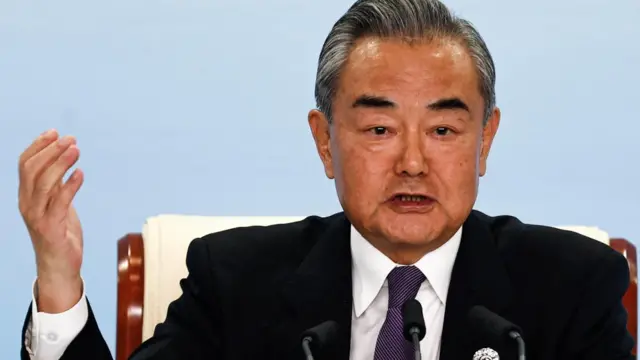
point(45, 202)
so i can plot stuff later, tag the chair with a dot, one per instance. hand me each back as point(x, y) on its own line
point(149, 270)
point(151, 264)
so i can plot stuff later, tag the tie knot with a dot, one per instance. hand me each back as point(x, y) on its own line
point(404, 283)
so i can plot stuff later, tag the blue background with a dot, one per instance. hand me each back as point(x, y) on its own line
point(199, 107)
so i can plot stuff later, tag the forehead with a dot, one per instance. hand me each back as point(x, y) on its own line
point(426, 69)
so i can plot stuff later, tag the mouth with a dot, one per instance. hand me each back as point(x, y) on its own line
point(409, 197)
point(411, 202)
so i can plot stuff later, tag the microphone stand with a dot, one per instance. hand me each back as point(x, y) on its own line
point(415, 338)
point(518, 338)
point(306, 348)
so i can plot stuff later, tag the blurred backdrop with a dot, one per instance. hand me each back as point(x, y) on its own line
point(199, 107)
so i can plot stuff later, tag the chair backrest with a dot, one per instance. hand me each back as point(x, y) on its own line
point(166, 240)
point(151, 264)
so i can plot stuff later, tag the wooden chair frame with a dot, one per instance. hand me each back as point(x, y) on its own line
point(130, 295)
point(131, 291)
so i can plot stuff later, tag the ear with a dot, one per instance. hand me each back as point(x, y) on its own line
point(488, 133)
point(320, 129)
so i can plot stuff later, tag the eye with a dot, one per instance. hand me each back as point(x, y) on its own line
point(442, 131)
point(379, 130)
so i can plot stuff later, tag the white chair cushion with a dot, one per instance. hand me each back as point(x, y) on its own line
point(166, 240)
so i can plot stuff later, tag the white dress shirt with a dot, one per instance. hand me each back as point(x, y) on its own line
point(371, 294)
point(48, 335)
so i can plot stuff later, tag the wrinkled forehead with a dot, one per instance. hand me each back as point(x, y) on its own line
point(409, 69)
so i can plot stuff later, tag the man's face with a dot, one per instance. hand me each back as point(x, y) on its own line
point(407, 144)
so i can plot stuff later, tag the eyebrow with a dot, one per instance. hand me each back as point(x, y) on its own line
point(372, 101)
point(448, 104)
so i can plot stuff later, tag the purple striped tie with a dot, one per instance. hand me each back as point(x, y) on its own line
point(404, 282)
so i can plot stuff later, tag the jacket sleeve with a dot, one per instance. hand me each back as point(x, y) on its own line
point(598, 329)
point(87, 344)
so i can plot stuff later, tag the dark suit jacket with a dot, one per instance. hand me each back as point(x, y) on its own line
point(252, 291)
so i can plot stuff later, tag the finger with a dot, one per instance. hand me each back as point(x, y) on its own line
point(60, 203)
point(33, 168)
point(55, 190)
point(57, 187)
point(37, 145)
point(41, 142)
point(52, 176)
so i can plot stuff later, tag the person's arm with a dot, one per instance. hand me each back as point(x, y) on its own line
point(192, 326)
point(45, 203)
point(598, 328)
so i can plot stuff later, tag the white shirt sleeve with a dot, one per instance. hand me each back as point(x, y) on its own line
point(48, 335)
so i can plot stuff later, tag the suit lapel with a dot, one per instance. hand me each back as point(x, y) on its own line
point(319, 290)
point(478, 278)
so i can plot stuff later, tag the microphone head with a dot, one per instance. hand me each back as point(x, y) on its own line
point(413, 320)
point(321, 334)
point(493, 326)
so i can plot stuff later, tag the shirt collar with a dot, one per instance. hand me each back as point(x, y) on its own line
point(371, 267)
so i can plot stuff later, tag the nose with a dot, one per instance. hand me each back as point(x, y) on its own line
point(411, 161)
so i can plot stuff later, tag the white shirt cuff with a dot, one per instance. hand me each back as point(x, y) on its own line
point(48, 335)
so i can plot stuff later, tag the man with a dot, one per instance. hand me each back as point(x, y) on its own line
point(405, 120)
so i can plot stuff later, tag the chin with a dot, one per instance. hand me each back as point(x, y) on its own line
point(409, 231)
point(412, 229)
point(410, 236)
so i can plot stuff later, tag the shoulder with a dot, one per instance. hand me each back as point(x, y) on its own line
point(550, 251)
point(253, 250)
point(250, 241)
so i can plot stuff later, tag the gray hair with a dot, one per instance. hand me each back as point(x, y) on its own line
point(414, 19)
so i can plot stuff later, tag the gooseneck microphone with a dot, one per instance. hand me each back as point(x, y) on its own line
point(413, 326)
point(497, 328)
point(317, 337)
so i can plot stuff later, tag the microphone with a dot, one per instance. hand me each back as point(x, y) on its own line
point(413, 326)
point(318, 337)
point(497, 328)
